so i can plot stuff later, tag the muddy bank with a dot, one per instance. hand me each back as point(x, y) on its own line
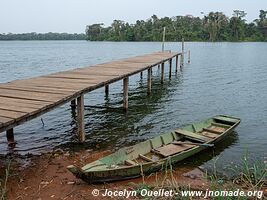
point(46, 177)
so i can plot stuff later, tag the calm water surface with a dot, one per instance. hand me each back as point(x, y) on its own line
point(223, 78)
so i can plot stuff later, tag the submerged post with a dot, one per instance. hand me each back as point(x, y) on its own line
point(80, 118)
point(163, 38)
point(189, 56)
point(10, 137)
point(106, 90)
point(125, 93)
point(176, 64)
point(162, 72)
point(170, 70)
point(149, 72)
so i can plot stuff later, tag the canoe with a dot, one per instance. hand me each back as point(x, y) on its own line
point(153, 154)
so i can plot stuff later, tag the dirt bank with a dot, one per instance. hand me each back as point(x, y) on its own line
point(45, 177)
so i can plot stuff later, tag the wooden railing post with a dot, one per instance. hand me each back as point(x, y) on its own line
point(162, 72)
point(176, 64)
point(149, 72)
point(182, 56)
point(80, 118)
point(125, 93)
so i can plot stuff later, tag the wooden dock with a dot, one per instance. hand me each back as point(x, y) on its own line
point(23, 100)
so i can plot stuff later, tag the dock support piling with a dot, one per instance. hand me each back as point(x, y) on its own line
point(162, 72)
point(189, 57)
point(141, 75)
point(106, 90)
point(176, 64)
point(149, 72)
point(10, 137)
point(73, 104)
point(158, 67)
point(170, 70)
point(125, 93)
point(80, 118)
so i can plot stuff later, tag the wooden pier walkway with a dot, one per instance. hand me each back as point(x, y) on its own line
point(23, 100)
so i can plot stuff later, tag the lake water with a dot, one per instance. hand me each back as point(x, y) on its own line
point(223, 78)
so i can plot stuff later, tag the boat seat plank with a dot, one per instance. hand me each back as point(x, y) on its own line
point(214, 130)
point(145, 158)
point(130, 162)
point(172, 149)
point(220, 125)
point(192, 135)
point(226, 119)
point(209, 134)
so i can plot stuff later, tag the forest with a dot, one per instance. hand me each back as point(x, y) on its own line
point(215, 26)
point(43, 36)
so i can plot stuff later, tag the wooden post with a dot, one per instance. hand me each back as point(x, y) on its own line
point(80, 118)
point(162, 72)
point(189, 56)
point(158, 66)
point(176, 64)
point(170, 70)
point(141, 75)
point(163, 38)
point(106, 90)
point(182, 56)
point(73, 104)
point(149, 72)
point(125, 93)
point(10, 137)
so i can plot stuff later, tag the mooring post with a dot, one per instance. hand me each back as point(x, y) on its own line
point(125, 93)
point(80, 118)
point(162, 72)
point(141, 75)
point(170, 70)
point(182, 56)
point(176, 64)
point(106, 90)
point(163, 38)
point(10, 137)
point(149, 72)
point(189, 56)
point(158, 66)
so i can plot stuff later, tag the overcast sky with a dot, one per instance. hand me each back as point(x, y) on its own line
point(71, 16)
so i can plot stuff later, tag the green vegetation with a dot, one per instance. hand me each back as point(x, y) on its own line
point(250, 175)
point(215, 26)
point(42, 36)
point(3, 182)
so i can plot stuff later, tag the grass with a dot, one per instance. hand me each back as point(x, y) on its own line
point(250, 176)
point(3, 182)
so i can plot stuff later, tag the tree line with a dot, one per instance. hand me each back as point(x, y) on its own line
point(215, 26)
point(43, 36)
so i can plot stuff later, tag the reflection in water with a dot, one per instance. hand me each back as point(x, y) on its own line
point(117, 127)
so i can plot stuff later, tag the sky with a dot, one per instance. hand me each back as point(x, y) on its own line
point(72, 16)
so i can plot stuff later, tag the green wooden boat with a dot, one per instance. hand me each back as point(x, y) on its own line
point(152, 155)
